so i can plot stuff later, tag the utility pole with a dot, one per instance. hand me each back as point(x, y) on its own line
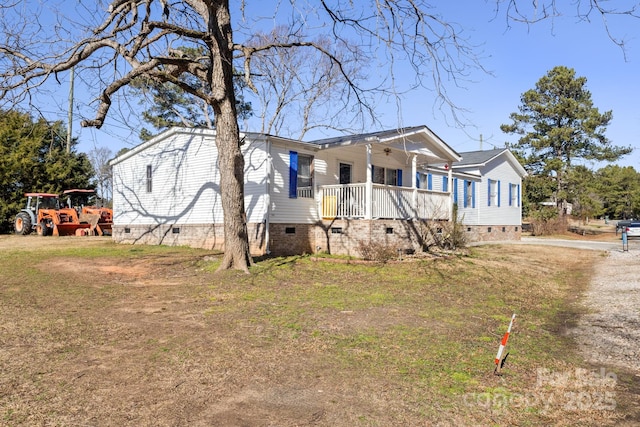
point(70, 116)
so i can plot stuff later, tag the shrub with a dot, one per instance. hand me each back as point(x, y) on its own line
point(448, 235)
point(545, 221)
point(377, 251)
point(547, 227)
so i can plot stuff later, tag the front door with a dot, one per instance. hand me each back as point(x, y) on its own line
point(345, 173)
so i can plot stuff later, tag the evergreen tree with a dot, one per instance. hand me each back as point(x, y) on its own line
point(559, 126)
point(619, 188)
point(33, 158)
point(585, 198)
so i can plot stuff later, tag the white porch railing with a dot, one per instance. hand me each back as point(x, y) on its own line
point(343, 201)
point(306, 192)
point(389, 202)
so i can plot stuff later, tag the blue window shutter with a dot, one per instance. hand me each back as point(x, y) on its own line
point(293, 174)
point(498, 193)
point(473, 194)
point(464, 193)
point(489, 193)
point(510, 194)
point(455, 190)
point(429, 182)
point(399, 176)
point(417, 179)
point(445, 183)
point(518, 195)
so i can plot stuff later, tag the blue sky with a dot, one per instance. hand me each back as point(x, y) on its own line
point(517, 57)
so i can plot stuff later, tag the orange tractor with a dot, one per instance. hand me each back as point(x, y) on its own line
point(44, 214)
point(84, 202)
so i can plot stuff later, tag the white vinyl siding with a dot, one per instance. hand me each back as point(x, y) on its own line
point(466, 188)
point(186, 182)
point(285, 209)
point(502, 175)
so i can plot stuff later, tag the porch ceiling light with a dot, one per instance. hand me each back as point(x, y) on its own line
point(387, 151)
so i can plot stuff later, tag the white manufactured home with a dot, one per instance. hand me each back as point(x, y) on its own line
point(300, 197)
point(487, 190)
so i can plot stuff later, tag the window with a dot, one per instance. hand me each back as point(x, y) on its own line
point(378, 175)
point(494, 193)
point(305, 176)
point(391, 177)
point(345, 173)
point(289, 230)
point(300, 175)
point(514, 195)
point(425, 181)
point(386, 176)
point(149, 177)
point(445, 184)
point(469, 194)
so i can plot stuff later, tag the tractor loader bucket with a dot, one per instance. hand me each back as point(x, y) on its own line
point(103, 229)
point(98, 227)
point(71, 229)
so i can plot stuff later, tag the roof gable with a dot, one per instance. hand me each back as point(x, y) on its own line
point(482, 158)
point(416, 139)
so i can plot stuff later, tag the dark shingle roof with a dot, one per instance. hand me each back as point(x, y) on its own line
point(480, 157)
point(365, 136)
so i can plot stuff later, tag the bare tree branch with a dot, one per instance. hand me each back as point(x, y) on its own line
point(363, 52)
point(583, 10)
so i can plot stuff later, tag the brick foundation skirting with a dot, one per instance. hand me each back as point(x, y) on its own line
point(492, 233)
point(205, 236)
point(340, 237)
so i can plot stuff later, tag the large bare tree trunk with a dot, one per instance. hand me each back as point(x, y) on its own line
point(231, 161)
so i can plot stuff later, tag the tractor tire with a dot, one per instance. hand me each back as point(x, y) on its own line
point(22, 224)
point(42, 229)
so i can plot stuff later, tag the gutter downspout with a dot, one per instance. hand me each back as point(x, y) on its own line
point(268, 197)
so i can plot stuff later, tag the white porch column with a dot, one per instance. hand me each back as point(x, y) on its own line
point(450, 187)
point(368, 205)
point(414, 184)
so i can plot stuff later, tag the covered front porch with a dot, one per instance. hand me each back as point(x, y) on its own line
point(376, 201)
point(380, 191)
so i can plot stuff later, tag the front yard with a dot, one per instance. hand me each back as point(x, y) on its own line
point(94, 333)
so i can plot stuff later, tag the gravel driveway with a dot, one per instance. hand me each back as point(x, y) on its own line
point(610, 333)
